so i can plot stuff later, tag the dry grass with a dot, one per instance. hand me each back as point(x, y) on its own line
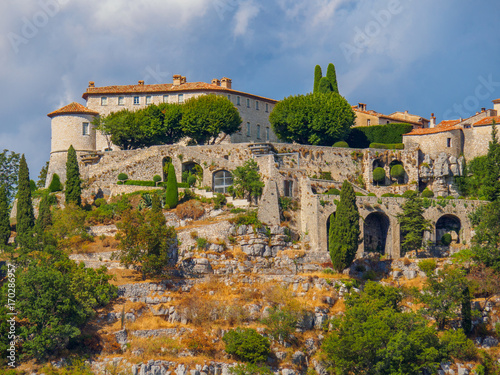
point(292, 254)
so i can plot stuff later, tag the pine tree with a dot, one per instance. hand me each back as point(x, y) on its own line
point(4, 217)
point(332, 77)
point(73, 188)
point(25, 215)
point(317, 77)
point(172, 196)
point(344, 229)
point(324, 86)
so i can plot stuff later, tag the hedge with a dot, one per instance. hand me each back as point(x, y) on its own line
point(388, 146)
point(361, 137)
point(139, 183)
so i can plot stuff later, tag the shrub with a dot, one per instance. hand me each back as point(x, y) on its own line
point(458, 345)
point(250, 369)
point(379, 175)
point(427, 265)
point(372, 194)
point(446, 239)
point(247, 344)
point(172, 196)
point(388, 146)
point(341, 144)
point(199, 343)
point(281, 322)
point(361, 137)
point(397, 171)
point(156, 178)
point(182, 185)
point(385, 195)
point(248, 218)
point(201, 243)
point(237, 210)
point(122, 177)
point(55, 184)
point(408, 193)
point(333, 191)
point(139, 183)
point(100, 202)
point(191, 209)
point(359, 194)
point(219, 201)
point(32, 186)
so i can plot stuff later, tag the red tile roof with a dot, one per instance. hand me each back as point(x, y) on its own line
point(74, 107)
point(395, 117)
point(165, 88)
point(488, 121)
point(443, 126)
point(496, 101)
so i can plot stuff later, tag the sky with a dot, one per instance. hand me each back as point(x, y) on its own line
point(394, 55)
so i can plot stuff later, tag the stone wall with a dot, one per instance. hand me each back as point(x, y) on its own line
point(477, 140)
point(435, 143)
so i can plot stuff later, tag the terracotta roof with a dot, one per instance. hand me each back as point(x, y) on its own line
point(74, 107)
point(403, 116)
point(488, 121)
point(496, 101)
point(165, 88)
point(443, 126)
point(395, 117)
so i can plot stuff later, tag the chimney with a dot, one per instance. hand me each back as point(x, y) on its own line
point(362, 106)
point(433, 121)
point(141, 83)
point(483, 109)
point(496, 106)
point(226, 83)
point(177, 79)
point(216, 82)
point(183, 80)
point(406, 112)
point(91, 84)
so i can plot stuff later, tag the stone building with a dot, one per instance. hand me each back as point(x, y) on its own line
point(365, 117)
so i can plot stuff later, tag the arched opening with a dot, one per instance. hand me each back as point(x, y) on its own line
point(192, 173)
point(378, 172)
point(448, 224)
point(397, 172)
point(328, 221)
point(376, 230)
point(221, 181)
point(164, 164)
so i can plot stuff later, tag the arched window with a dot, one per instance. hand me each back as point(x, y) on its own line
point(221, 181)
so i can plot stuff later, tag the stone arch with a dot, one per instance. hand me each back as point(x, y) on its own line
point(194, 169)
point(376, 232)
point(164, 166)
point(448, 224)
point(221, 180)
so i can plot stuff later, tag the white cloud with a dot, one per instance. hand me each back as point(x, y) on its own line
point(245, 13)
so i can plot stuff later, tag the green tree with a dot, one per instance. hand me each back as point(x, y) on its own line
point(344, 232)
point(491, 183)
point(315, 119)
point(4, 218)
point(324, 86)
point(317, 77)
point(73, 182)
point(44, 219)
point(9, 169)
point(247, 344)
point(25, 215)
point(332, 78)
point(486, 240)
point(55, 184)
point(172, 195)
point(412, 223)
point(247, 181)
point(42, 177)
point(379, 175)
point(204, 118)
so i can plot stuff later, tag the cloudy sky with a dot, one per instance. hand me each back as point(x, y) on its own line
point(418, 55)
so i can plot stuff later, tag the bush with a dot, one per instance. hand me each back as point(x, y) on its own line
point(446, 239)
point(359, 194)
point(122, 177)
point(191, 209)
point(247, 344)
point(219, 201)
point(427, 265)
point(100, 202)
point(32, 186)
point(156, 178)
point(182, 185)
point(379, 175)
point(139, 183)
point(361, 137)
point(341, 144)
point(201, 243)
point(397, 171)
point(248, 218)
point(386, 195)
point(333, 191)
point(55, 184)
point(372, 194)
point(427, 193)
point(388, 146)
point(191, 180)
point(281, 322)
point(408, 193)
point(458, 345)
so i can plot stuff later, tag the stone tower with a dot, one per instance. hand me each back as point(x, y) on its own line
point(71, 125)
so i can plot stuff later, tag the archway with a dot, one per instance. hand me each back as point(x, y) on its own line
point(221, 181)
point(192, 173)
point(448, 224)
point(164, 166)
point(376, 230)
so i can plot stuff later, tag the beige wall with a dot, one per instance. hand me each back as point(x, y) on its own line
point(67, 130)
point(476, 141)
point(362, 119)
point(435, 143)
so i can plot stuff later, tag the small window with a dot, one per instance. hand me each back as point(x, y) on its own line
point(267, 133)
point(256, 105)
point(368, 122)
point(104, 100)
point(136, 100)
point(229, 97)
point(248, 129)
point(149, 100)
point(248, 103)
point(238, 100)
point(288, 188)
point(180, 98)
point(267, 107)
point(388, 122)
point(85, 128)
point(165, 98)
point(121, 100)
point(448, 142)
point(258, 131)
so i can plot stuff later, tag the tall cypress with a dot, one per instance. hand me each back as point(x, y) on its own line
point(44, 218)
point(172, 196)
point(4, 217)
point(324, 86)
point(317, 77)
point(344, 229)
point(25, 215)
point(332, 77)
point(73, 188)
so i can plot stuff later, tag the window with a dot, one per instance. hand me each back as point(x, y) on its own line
point(388, 122)
point(368, 122)
point(104, 100)
point(180, 98)
point(256, 105)
point(267, 107)
point(136, 100)
point(248, 129)
point(248, 103)
point(267, 133)
point(121, 100)
point(148, 100)
point(85, 128)
point(221, 181)
point(448, 142)
point(258, 131)
point(229, 97)
point(237, 100)
point(165, 98)
point(288, 188)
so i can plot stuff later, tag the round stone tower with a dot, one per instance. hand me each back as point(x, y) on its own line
point(71, 125)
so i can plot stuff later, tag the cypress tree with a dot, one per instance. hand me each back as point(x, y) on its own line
point(317, 77)
point(332, 77)
point(73, 188)
point(44, 218)
point(25, 215)
point(324, 86)
point(4, 217)
point(172, 196)
point(344, 229)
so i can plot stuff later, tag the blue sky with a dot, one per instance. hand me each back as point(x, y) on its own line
point(417, 55)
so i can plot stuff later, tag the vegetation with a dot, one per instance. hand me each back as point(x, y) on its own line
point(247, 345)
point(4, 218)
point(363, 136)
point(344, 232)
point(331, 75)
point(397, 172)
point(42, 177)
point(25, 215)
point(172, 194)
point(427, 193)
point(341, 144)
point(122, 177)
point(73, 183)
point(485, 242)
point(379, 175)
point(317, 77)
point(387, 146)
point(9, 167)
point(55, 184)
point(413, 224)
point(246, 181)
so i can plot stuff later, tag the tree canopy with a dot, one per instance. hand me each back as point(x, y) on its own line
point(246, 180)
point(413, 224)
point(9, 167)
